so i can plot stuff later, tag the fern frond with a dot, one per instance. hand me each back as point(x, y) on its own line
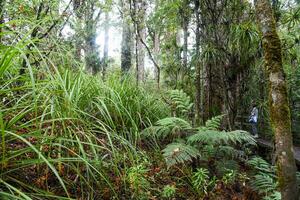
point(221, 137)
point(264, 183)
point(298, 178)
point(176, 153)
point(260, 165)
point(225, 165)
point(274, 196)
point(181, 101)
point(230, 152)
point(150, 131)
point(214, 123)
point(171, 126)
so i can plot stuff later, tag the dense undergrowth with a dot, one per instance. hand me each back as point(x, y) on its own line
point(69, 135)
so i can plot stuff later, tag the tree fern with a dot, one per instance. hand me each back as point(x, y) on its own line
point(181, 102)
point(208, 139)
point(264, 183)
point(221, 137)
point(168, 126)
point(274, 196)
point(260, 165)
point(178, 152)
point(213, 123)
point(264, 180)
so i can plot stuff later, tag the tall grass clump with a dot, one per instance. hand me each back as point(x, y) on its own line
point(66, 134)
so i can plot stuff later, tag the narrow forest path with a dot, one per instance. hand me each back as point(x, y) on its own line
point(268, 144)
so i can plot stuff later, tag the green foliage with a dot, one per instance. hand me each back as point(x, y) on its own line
point(139, 185)
point(169, 191)
point(172, 126)
point(264, 178)
point(206, 141)
point(229, 177)
point(213, 123)
point(69, 130)
point(178, 152)
point(221, 137)
point(181, 102)
point(200, 180)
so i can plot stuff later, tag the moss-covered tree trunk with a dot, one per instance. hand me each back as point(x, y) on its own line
point(278, 100)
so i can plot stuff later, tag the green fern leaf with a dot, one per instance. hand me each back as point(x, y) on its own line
point(172, 126)
point(176, 153)
point(263, 183)
point(214, 123)
point(181, 102)
point(221, 137)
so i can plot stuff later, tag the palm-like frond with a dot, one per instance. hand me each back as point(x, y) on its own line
point(260, 165)
point(264, 180)
point(168, 126)
point(274, 196)
point(213, 123)
point(176, 153)
point(264, 183)
point(221, 137)
point(181, 101)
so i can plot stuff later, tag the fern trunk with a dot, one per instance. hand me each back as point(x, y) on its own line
point(278, 100)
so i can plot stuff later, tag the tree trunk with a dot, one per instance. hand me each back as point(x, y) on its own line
point(92, 59)
point(76, 7)
point(140, 11)
point(156, 56)
point(278, 100)
point(198, 120)
point(126, 49)
point(105, 48)
point(2, 4)
point(157, 49)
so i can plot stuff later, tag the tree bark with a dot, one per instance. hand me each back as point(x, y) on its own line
point(278, 100)
point(76, 7)
point(126, 46)
point(105, 48)
point(92, 58)
point(198, 120)
point(2, 4)
point(140, 11)
point(156, 48)
point(156, 55)
point(185, 25)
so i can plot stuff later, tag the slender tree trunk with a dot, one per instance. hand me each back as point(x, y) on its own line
point(2, 4)
point(157, 49)
point(105, 48)
point(126, 46)
point(92, 59)
point(140, 11)
point(156, 55)
point(185, 46)
point(278, 100)
point(184, 12)
point(76, 7)
point(198, 67)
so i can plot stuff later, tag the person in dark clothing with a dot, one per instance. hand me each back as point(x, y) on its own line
point(253, 119)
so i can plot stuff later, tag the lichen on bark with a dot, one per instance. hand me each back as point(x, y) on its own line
point(278, 101)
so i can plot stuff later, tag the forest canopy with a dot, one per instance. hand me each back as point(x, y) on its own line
point(149, 99)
